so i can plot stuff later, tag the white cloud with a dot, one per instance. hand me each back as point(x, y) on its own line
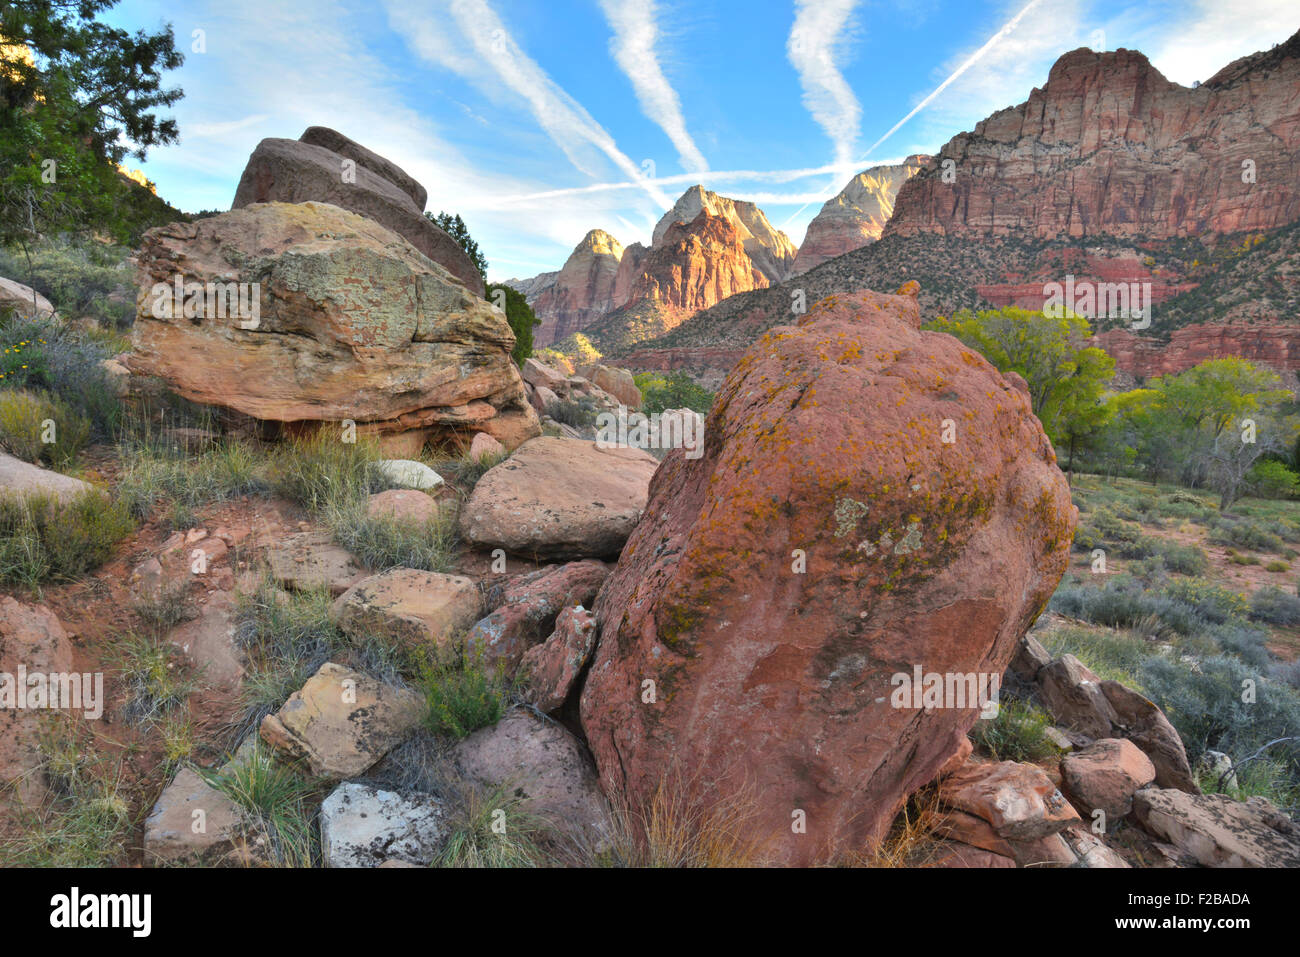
point(636, 33)
point(1212, 35)
point(497, 59)
point(820, 32)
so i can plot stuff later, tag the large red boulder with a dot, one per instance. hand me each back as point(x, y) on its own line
point(828, 540)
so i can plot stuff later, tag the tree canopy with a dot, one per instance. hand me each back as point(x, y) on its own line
point(77, 96)
point(455, 227)
point(1067, 378)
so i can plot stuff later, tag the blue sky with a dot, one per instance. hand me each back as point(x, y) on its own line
point(537, 120)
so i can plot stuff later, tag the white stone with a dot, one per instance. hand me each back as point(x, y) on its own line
point(362, 826)
point(410, 474)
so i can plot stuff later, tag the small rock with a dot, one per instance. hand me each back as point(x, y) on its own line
point(410, 474)
point(484, 446)
point(1019, 800)
point(175, 831)
point(341, 722)
point(362, 826)
point(529, 609)
point(26, 479)
point(306, 561)
point(1074, 697)
point(1218, 766)
point(1217, 831)
point(559, 499)
point(542, 764)
point(1104, 776)
point(554, 665)
point(408, 607)
point(1139, 720)
point(403, 505)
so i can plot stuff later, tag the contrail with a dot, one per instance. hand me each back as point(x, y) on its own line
point(993, 41)
point(811, 51)
point(633, 46)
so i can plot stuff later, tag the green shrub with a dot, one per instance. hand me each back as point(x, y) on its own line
point(577, 415)
point(477, 840)
point(81, 277)
point(286, 636)
point(1271, 479)
point(1275, 606)
point(40, 355)
point(1212, 602)
point(674, 390)
point(322, 470)
point(1205, 704)
point(154, 474)
point(29, 419)
point(381, 542)
point(1228, 530)
point(155, 676)
point(278, 804)
point(1112, 655)
point(463, 695)
point(43, 539)
point(88, 821)
point(1017, 733)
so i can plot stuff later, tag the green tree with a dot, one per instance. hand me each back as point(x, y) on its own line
point(1067, 378)
point(455, 227)
point(76, 97)
point(675, 390)
point(520, 316)
point(1207, 425)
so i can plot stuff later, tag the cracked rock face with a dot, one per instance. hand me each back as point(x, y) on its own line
point(828, 539)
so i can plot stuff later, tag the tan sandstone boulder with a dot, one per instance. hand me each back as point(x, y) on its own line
point(351, 324)
point(828, 540)
point(26, 302)
point(341, 722)
point(405, 606)
point(1104, 776)
point(300, 171)
point(559, 499)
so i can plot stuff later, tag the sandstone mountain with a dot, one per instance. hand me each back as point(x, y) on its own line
point(1111, 146)
point(857, 215)
point(692, 263)
point(772, 251)
point(1110, 174)
point(582, 290)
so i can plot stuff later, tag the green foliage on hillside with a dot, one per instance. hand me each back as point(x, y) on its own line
point(1207, 426)
point(1067, 378)
point(76, 97)
point(81, 276)
point(672, 390)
